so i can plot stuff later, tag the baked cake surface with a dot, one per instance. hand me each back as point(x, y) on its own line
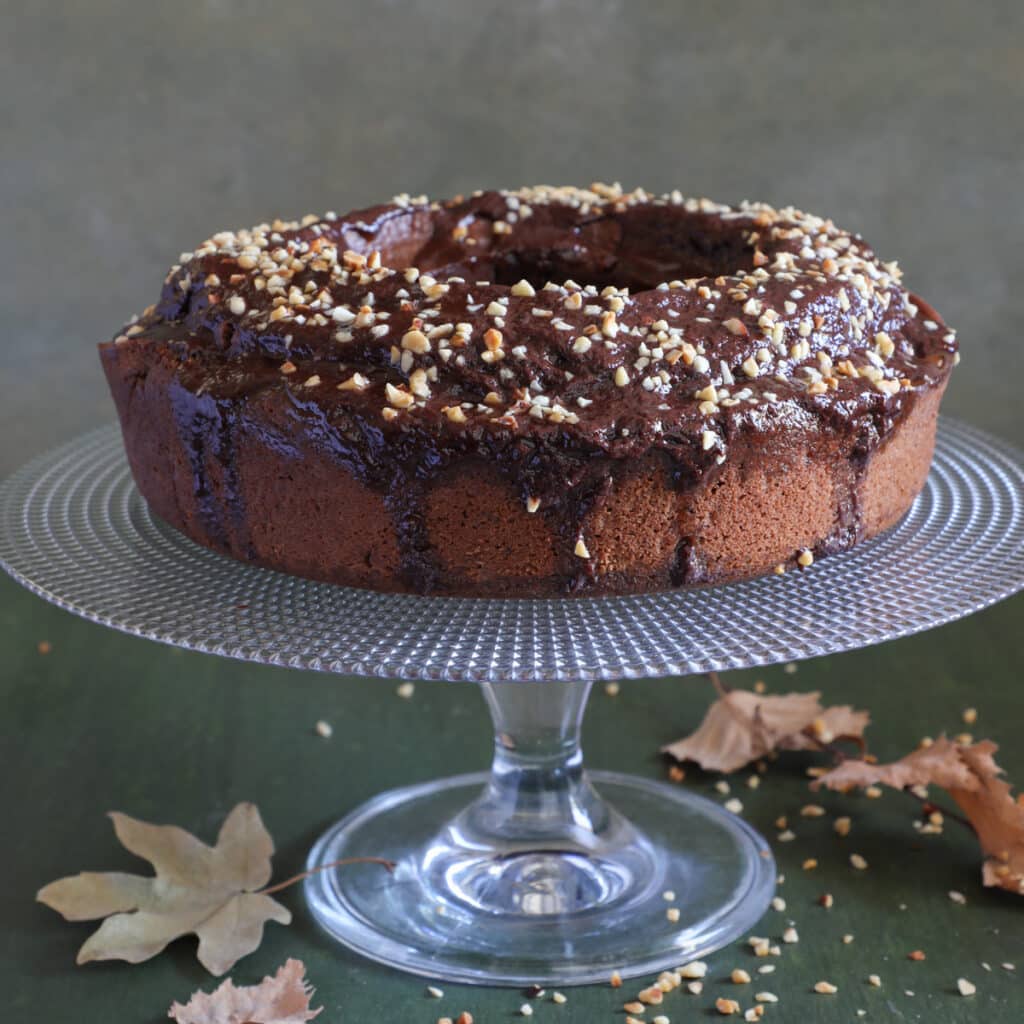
point(542, 392)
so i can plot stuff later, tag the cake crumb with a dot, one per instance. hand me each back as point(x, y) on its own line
point(406, 690)
point(44, 647)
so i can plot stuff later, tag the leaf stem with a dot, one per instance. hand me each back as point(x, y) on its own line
point(389, 864)
point(721, 688)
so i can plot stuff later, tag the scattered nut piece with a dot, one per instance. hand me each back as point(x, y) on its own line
point(405, 690)
point(874, 981)
point(858, 862)
point(557, 997)
point(965, 988)
point(324, 729)
point(694, 969)
point(739, 977)
point(825, 988)
point(434, 992)
point(653, 996)
point(916, 954)
point(841, 826)
point(790, 935)
point(727, 1006)
point(672, 914)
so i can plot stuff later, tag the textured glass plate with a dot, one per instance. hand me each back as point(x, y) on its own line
point(74, 529)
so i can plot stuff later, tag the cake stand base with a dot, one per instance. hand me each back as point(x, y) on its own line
point(482, 913)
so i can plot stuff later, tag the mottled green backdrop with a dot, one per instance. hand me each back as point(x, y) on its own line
point(130, 131)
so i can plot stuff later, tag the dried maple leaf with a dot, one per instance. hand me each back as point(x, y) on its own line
point(970, 775)
point(282, 999)
point(209, 891)
point(742, 726)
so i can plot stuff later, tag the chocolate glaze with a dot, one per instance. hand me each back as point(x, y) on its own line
point(703, 280)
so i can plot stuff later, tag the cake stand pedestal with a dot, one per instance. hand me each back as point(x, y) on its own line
point(536, 871)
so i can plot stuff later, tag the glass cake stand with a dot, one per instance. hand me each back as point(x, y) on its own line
point(528, 873)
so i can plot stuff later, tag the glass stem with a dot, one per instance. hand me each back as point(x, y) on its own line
point(538, 796)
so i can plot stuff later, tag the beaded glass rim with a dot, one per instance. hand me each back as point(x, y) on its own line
point(74, 530)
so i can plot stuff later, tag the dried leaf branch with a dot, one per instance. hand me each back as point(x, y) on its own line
point(971, 777)
point(281, 999)
point(218, 893)
point(742, 726)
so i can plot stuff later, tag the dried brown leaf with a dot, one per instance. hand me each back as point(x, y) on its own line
point(281, 999)
point(970, 775)
point(742, 726)
point(209, 891)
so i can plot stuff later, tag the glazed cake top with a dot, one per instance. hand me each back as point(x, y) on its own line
point(588, 318)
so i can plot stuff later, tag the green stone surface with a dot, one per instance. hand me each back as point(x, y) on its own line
point(130, 131)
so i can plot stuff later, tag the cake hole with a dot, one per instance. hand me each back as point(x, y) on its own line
point(636, 248)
